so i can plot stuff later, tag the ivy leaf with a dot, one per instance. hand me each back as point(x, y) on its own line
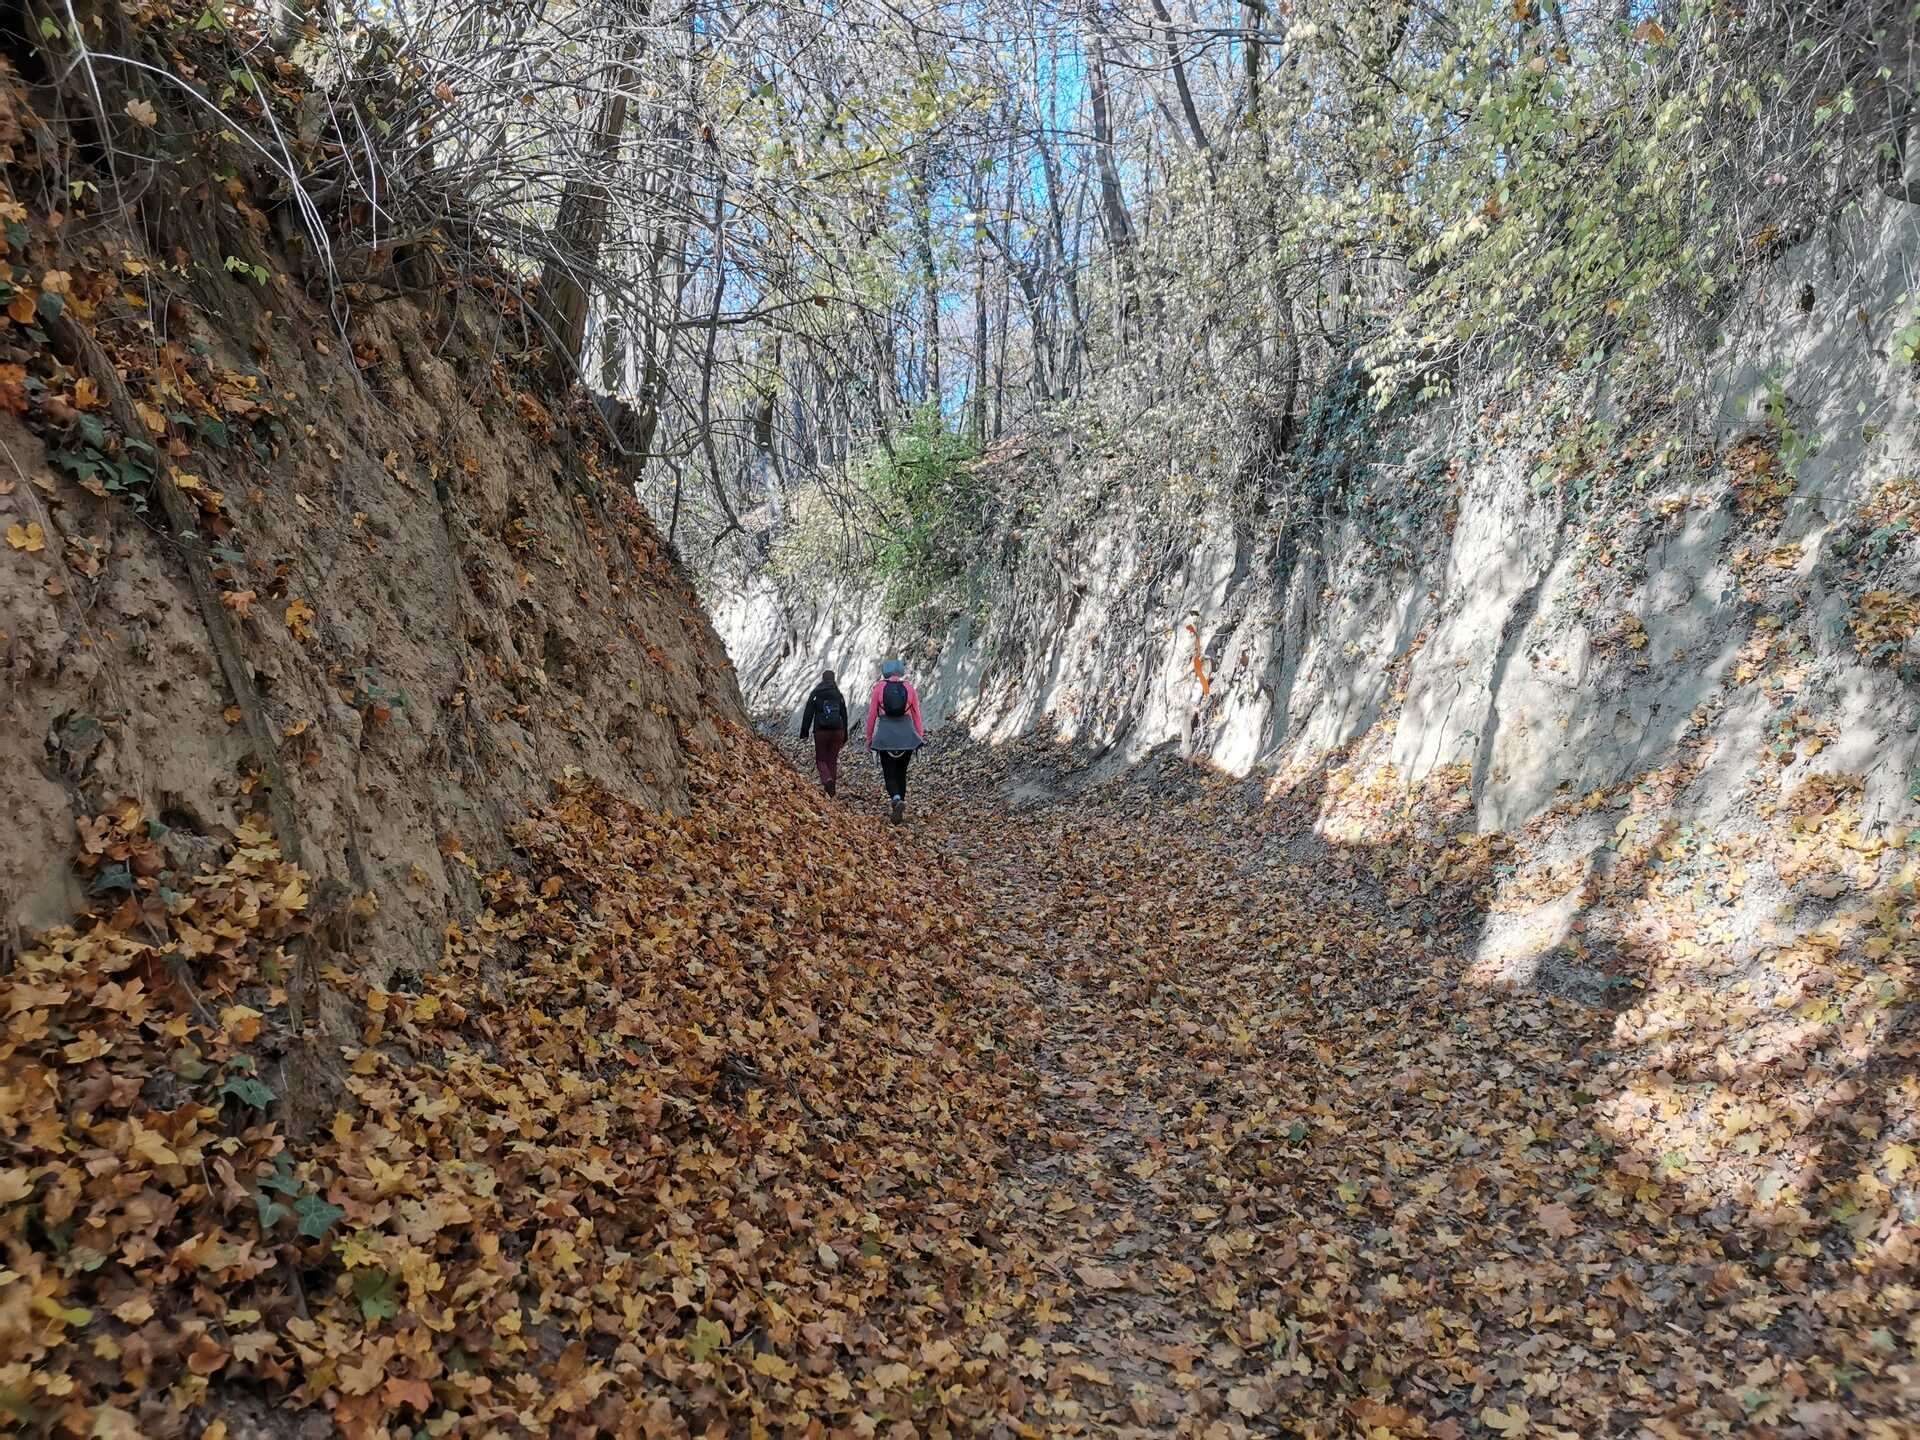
point(113, 877)
point(316, 1215)
point(248, 1090)
point(374, 1290)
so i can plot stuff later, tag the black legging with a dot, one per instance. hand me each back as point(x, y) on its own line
point(893, 768)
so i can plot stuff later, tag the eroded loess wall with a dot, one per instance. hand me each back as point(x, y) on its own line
point(438, 595)
point(1547, 589)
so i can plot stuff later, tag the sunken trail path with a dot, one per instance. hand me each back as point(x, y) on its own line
point(1291, 1170)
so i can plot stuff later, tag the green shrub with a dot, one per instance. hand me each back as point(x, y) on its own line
point(933, 507)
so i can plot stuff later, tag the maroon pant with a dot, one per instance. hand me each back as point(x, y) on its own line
point(826, 756)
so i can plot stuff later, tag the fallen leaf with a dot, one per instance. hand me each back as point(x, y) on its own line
point(1557, 1220)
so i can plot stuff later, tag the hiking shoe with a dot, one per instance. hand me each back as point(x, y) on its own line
point(899, 811)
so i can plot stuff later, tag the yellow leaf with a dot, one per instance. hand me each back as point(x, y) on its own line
point(67, 1315)
point(29, 537)
point(771, 1365)
point(1513, 1420)
point(143, 112)
point(1898, 1160)
point(149, 1146)
point(240, 1023)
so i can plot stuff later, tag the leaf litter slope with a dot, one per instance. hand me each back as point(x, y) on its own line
point(1103, 1117)
point(1288, 1172)
point(697, 1129)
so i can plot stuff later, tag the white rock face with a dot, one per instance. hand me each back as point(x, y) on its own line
point(1537, 648)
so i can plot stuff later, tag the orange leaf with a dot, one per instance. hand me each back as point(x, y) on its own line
point(416, 1393)
point(208, 1356)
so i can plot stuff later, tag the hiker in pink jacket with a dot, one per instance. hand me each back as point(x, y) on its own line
point(894, 730)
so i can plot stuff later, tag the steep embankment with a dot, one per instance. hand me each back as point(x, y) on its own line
point(428, 587)
point(424, 1005)
point(1540, 583)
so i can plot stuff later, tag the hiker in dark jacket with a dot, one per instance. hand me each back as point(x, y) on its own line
point(895, 731)
point(826, 717)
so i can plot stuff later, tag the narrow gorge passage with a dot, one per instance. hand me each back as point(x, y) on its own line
point(1291, 1171)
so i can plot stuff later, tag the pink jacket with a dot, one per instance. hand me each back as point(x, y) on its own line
point(913, 711)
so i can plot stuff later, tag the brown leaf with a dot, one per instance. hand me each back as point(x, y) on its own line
point(1557, 1220)
point(1098, 1277)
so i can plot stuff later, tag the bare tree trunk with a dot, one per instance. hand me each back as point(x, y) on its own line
point(929, 274)
point(1113, 203)
point(1179, 68)
point(1069, 281)
point(613, 354)
point(577, 232)
point(714, 471)
point(979, 417)
point(662, 328)
point(765, 466)
point(1279, 343)
point(1005, 308)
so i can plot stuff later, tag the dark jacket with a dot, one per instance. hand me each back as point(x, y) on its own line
point(811, 715)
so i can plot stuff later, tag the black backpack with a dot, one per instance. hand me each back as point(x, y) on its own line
point(893, 699)
point(829, 711)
